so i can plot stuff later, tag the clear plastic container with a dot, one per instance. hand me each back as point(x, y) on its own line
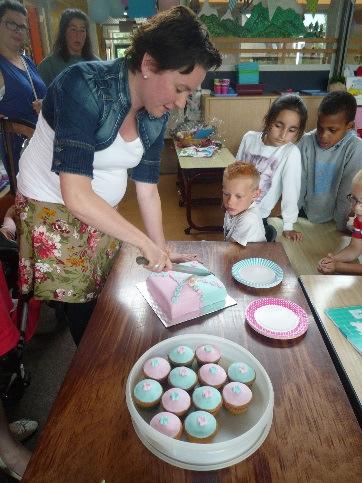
point(238, 436)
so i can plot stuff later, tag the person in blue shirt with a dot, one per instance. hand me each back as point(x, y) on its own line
point(21, 88)
point(98, 120)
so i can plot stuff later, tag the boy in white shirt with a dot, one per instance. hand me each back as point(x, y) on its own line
point(242, 222)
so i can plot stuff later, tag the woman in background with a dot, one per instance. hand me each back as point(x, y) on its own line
point(72, 45)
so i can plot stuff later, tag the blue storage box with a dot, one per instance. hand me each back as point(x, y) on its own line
point(247, 73)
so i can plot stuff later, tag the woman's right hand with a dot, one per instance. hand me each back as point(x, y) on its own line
point(158, 258)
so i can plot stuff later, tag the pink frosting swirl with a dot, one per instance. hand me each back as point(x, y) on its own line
point(207, 353)
point(156, 368)
point(237, 394)
point(166, 423)
point(212, 374)
point(176, 400)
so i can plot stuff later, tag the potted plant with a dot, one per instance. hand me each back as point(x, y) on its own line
point(337, 83)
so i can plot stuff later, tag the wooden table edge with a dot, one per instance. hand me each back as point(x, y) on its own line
point(343, 376)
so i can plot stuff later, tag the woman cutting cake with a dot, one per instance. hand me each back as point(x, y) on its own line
point(98, 120)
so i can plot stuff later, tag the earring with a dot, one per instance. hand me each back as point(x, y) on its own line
point(145, 76)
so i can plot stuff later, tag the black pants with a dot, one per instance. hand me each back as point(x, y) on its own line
point(78, 315)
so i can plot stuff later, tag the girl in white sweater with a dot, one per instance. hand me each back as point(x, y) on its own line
point(277, 159)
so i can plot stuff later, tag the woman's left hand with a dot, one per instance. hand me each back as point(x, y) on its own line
point(293, 235)
point(183, 257)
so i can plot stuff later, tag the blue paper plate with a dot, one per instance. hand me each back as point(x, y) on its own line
point(257, 272)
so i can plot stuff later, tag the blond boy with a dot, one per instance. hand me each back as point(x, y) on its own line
point(242, 222)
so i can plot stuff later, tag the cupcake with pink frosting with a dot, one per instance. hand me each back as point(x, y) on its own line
point(206, 354)
point(168, 424)
point(237, 397)
point(176, 401)
point(157, 368)
point(212, 375)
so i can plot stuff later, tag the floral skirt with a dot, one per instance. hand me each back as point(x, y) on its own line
point(61, 258)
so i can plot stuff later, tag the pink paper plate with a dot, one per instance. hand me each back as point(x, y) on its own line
point(277, 318)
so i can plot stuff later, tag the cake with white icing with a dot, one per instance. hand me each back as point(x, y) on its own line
point(182, 296)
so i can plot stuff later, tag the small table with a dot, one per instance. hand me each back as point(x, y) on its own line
point(327, 291)
point(89, 435)
point(192, 170)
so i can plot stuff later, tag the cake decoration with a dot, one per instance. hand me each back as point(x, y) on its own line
point(183, 378)
point(241, 372)
point(180, 295)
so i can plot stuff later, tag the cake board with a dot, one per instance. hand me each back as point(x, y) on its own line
point(142, 287)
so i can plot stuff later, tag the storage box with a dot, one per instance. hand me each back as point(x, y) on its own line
point(247, 73)
point(250, 89)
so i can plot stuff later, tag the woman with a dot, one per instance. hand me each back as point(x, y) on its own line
point(72, 45)
point(21, 88)
point(98, 120)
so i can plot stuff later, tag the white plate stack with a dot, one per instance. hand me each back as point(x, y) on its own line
point(238, 436)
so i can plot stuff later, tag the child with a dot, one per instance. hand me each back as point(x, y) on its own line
point(342, 262)
point(243, 222)
point(8, 227)
point(277, 159)
point(331, 156)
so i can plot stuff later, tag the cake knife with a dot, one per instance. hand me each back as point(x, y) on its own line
point(177, 267)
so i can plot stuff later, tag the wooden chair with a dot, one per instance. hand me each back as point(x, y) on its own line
point(8, 129)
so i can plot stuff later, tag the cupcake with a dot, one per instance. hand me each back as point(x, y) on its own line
point(200, 427)
point(176, 401)
point(156, 368)
point(212, 375)
point(236, 397)
point(147, 393)
point(207, 354)
point(241, 372)
point(181, 355)
point(168, 424)
point(182, 377)
point(207, 398)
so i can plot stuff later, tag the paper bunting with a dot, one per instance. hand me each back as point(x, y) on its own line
point(232, 4)
point(141, 8)
point(312, 6)
point(207, 10)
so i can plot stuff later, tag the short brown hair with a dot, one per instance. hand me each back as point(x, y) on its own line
point(176, 40)
point(242, 170)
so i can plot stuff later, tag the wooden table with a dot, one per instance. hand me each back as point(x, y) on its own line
point(196, 170)
point(89, 435)
point(324, 292)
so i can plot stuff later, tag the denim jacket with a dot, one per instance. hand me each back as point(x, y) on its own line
point(85, 106)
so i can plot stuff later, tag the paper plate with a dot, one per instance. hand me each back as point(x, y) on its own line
point(257, 272)
point(277, 318)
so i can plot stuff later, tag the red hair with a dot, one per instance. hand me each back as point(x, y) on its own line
point(242, 170)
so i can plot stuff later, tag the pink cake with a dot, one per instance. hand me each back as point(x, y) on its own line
point(182, 296)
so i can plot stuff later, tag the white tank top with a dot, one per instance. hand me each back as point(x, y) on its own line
point(36, 180)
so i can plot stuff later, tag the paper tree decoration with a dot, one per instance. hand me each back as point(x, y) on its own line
point(285, 4)
point(284, 23)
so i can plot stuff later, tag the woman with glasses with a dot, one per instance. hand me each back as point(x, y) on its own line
point(343, 261)
point(72, 45)
point(21, 88)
